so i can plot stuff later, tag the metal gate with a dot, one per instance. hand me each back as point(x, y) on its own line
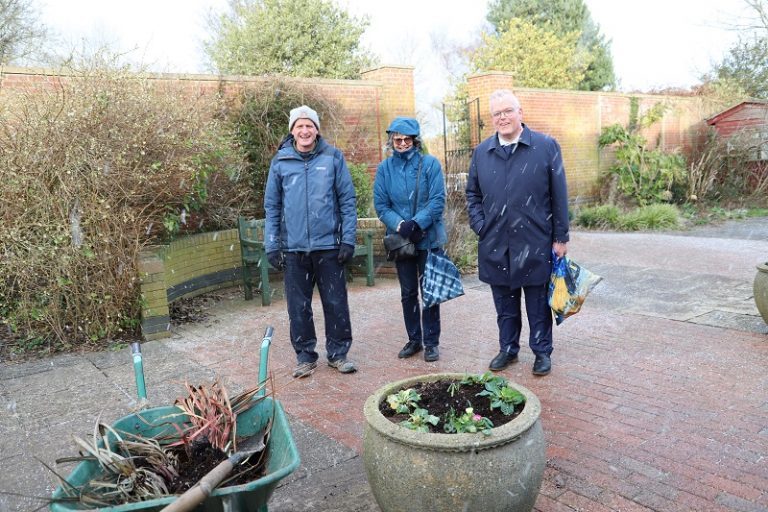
point(462, 129)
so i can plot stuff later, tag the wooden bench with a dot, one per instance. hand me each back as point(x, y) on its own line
point(251, 232)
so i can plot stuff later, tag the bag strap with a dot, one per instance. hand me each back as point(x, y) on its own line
point(416, 191)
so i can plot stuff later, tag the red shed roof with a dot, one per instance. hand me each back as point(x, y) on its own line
point(759, 111)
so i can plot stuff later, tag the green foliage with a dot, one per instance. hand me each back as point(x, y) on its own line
point(601, 217)
point(419, 420)
point(746, 66)
point(502, 396)
point(259, 120)
point(404, 400)
point(653, 216)
point(563, 17)
point(743, 72)
point(483, 378)
point(643, 175)
point(363, 189)
point(90, 172)
point(312, 38)
point(536, 55)
point(757, 212)
point(467, 423)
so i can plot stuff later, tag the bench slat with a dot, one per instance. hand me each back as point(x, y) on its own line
point(253, 254)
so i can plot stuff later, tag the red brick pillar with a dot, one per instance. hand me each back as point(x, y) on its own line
point(397, 97)
point(481, 85)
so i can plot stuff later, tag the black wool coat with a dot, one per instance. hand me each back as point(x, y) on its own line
point(518, 206)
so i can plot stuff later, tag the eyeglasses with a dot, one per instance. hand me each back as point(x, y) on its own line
point(402, 140)
point(504, 113)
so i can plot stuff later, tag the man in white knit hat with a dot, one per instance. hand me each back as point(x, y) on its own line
point(311, 220)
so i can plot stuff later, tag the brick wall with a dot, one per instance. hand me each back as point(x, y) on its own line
point(368, 105)
point(397, 96)
point(187, 267)
point(196, 264)
point(576, 118)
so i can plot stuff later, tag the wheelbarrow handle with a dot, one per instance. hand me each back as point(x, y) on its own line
point(264, 359)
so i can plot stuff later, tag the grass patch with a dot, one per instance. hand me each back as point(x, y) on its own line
point(651, 217)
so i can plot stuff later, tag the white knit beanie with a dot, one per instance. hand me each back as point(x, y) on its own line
point(303, 112)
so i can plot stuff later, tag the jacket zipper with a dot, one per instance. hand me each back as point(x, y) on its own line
point(306, 200)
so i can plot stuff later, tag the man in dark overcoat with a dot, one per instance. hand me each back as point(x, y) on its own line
point(517, 200)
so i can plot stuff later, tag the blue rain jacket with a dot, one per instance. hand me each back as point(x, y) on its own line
point(309, 203)
point(393, 191)
point(518, 206)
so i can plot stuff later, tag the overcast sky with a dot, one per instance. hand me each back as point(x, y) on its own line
point(655, 43)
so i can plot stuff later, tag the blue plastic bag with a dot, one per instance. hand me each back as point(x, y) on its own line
point(569, 285)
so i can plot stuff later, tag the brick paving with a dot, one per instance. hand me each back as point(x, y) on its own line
point(641, 412)
point(649, 407)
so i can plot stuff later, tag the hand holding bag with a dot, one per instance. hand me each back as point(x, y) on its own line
point(441, 280)
point(398, 247)
point(569, 285)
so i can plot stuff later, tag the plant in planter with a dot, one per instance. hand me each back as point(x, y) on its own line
point(487, 391)
point(760, 289)
point(474, 457)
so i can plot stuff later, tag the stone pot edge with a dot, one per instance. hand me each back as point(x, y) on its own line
point(454, 442)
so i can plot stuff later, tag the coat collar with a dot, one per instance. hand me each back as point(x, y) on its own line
point(525, 138)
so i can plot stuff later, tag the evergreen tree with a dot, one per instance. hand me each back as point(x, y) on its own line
point(563, 17)
point(538, 57)
point(289, 37)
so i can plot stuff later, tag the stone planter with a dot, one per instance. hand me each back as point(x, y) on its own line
point(410, 470)
point(760, 289)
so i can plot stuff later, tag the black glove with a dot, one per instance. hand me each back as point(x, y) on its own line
point(406, 228)
point(345, 253)
point(417, 235)
point(276, 259)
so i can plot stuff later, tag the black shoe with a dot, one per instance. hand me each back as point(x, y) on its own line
point(501, 361)
point(431, 354)
point(542, 365)
point(409, 349)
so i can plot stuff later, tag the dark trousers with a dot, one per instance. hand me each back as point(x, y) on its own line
point(302, 272)
point(421, 324)
point(508, 317)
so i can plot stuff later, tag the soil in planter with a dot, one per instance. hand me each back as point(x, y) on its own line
point(202, 458)
point(436, 399)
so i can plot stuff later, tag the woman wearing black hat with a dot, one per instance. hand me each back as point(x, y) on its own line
point(409, 197)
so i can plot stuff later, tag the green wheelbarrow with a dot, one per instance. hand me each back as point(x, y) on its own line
point(282, 454)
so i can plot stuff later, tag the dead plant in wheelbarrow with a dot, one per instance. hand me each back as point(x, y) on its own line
point(166, 451)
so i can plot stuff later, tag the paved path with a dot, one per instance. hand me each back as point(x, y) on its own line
point(658, 399)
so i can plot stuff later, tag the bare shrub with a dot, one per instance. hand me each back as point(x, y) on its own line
point(731, 169)
point(92, 169)
point(259, 117)
point(462, 241)
point(706, 169)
